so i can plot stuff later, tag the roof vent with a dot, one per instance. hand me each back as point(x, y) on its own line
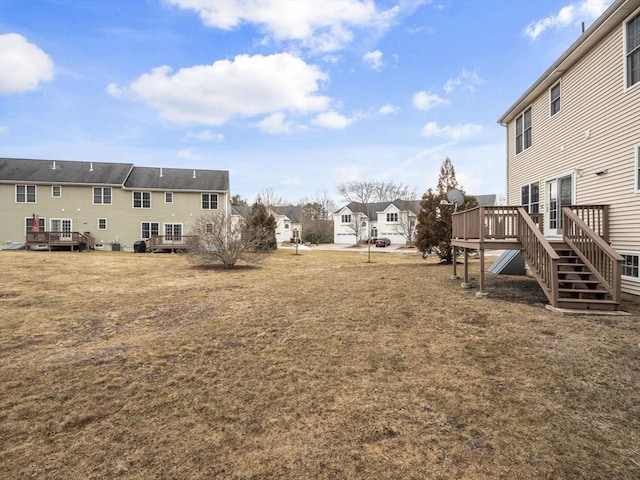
point(160, 172)
point(194, 174)
point(91, 167)
point(53, 167)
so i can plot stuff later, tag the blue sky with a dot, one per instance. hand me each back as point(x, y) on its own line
point(293, 96)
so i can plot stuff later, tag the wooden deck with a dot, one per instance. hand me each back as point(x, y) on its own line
point(580, 271)
point(60, 240)
point(169, 243)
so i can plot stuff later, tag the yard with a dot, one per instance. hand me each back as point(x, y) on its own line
point(311, 366)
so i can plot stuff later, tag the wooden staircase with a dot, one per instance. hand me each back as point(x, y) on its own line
point(578, 286)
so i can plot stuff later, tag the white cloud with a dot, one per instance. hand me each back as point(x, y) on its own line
point(426, 101)
point(374, 59)
point(452, 132)
point(188, 154)
point(388, 109)
point(323, 26)
point(246, 86)
point(465, 81)
point(275, 123)
point(332, 120)
point(24, 65)
point(206, 136)
point(568, 15)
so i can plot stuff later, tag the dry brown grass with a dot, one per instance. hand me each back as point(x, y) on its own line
point(312, 366)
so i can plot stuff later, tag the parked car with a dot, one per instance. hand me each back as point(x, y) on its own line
point(382, 242)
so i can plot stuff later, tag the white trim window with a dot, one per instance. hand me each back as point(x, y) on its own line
point(26, 194)
point(632, 50)
point(345, 218)
point(554, 100)
point(141, 199)
point(392, 217)
point(102, 195)
point(149, 229)
point(209, 201)
point(631, 266)
point(102, 224)
point(524, 130)
point(637, 169)
point(168, 197)
point(56, 191)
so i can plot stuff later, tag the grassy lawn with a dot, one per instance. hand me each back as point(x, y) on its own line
point(310, 366)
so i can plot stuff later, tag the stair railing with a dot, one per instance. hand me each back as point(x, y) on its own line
point(542, 258)
point(597, 254)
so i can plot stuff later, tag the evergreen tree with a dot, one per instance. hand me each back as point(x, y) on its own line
point(434, 219)
point(260, 228)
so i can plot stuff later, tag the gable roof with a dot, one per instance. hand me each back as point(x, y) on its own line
point(125, 175)
point(486, 200)
point(373, 208)
point(292, 212)
point(610, 19)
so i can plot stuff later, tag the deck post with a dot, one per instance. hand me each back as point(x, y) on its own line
point(454, 276)
point(465, 283)
point(481, 293)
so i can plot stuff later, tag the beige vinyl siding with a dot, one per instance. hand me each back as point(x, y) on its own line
point(593, 100)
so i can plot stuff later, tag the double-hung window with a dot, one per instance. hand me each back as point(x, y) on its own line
point(102, 195)
point(530, 197)
point(102, 224)
point(524, 136)
point(25, 194)
point(554, 99)
point(392, 217)
point(168, 197)
point(141, 199)
point(149, 229)
point(346, 218)
point(632, 50)
point(631, 265)
point(56, 191)
point(209, 201)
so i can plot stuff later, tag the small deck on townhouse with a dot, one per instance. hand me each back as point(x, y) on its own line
point(169, 243)
point(59, 241)
point(579, 271)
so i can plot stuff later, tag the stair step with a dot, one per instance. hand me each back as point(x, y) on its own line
point(587, 304)
point(581, 290)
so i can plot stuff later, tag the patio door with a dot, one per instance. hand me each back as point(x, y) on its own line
point(173, 232)
point(63, 227)
point(559, 194)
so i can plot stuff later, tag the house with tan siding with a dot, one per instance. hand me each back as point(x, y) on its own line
point(105, 205)
point(573, 150)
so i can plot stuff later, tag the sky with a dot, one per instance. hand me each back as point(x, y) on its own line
point(294, 97)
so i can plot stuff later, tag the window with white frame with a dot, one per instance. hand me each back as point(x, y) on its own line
point(102, 224)
point(29, 222)
point(632, 50)
point(102, 195)
point(524, 136)
point(149, 229)
point(25, 194)
point(530, 197)
point(168, 197)
point(173, 232)
point(56, 191)
point(141, 199)
point(346, 218)
point(554, 99)
point(209, 201)
point(392, 217)
point(631, 265)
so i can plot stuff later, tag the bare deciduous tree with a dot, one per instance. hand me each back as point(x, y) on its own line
point(360, 194)
point(217, 238)
point(269, 198)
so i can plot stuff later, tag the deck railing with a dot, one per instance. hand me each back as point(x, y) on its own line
point(169, 242)
point(590, 245)
point(541, 257)
point(486, 223)
point(61, 239)
point(595, 216)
